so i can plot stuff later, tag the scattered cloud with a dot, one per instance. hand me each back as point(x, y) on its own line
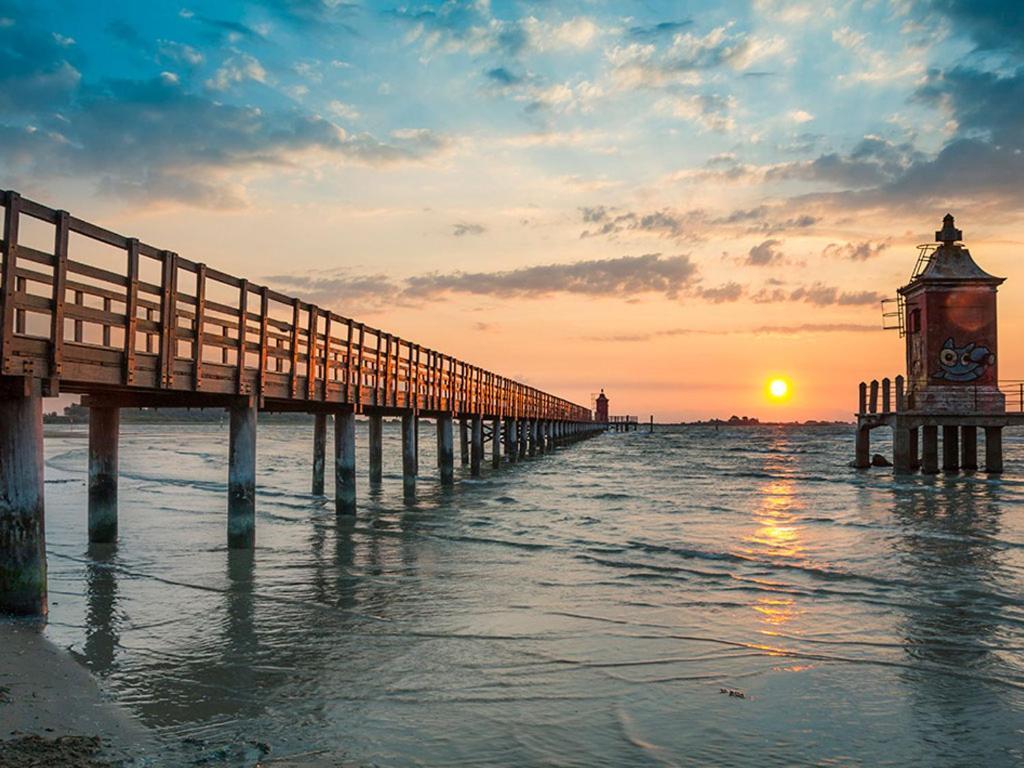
point(610, 221)
point(765, 254)
point(461, 230)
point(861, 251)
point(818, 294)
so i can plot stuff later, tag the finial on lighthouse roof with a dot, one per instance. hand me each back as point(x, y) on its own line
point(948, 234)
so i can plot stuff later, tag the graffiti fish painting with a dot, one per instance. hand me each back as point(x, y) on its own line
point(963, 363)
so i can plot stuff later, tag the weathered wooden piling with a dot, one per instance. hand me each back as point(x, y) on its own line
point(409, 455)
point(477, 446)
point(993, 449)
point(104, 423)
point(914, 442)
point(445, 449)
point(495, 443)
point(22, 530)
point(901, 448)
point(524, 431)
point(862, 459)
point(512, 440)
point(242, 474)
point(950, 449)
point(930, 449)
point(319, 452)
point(464, 440)
point(968, 447)
point(345, 462)
point(376, 446)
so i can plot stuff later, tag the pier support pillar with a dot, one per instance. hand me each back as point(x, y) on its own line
point(477, 446)
point(242, 475)
point(524, 425)
point(862, 459)
point(900, 449)
point(345, 462)
point(104, 424)
point(376, 435)
point(533, 437)
point(914, 446)
point(446, 449)
point(464, 440)
point(930, 450)
point(496, 443)
point(319, 452)
point(968, 447)
point(409, 455)
point(950, 449)
point(22, 532)
point(993, 449)
point(512, 440)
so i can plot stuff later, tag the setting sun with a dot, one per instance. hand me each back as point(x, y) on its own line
point(778, 389)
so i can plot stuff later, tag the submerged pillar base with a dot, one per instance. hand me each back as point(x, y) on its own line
point(242, 476)
point(104, 423)
point(22, 530)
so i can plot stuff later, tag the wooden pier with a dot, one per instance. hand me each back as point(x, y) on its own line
point(916, 431)
point(87, 311)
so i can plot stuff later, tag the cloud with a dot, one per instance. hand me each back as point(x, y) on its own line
point(861, 251)
point(664, 223)
point(461, 230)
point(338, 287)
point(710, 112)
point(687, 55)
point(872, 161)
point(765, 254)
point(625, 276)
point(819, 294)
point(760, 330)
point(661, 29)
point(237, 69)
point(150, 141)
point(723, 293)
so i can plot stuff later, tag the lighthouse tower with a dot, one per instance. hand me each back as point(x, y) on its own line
point(602, 408)
point(950, 325)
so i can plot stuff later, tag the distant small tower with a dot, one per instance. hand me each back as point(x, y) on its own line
point(950, 323)
point(602, 408)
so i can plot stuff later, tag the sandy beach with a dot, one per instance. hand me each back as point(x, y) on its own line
point(52, 710)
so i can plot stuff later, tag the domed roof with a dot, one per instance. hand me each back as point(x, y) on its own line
point(951, 262)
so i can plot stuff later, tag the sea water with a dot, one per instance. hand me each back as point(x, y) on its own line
point(689, 597)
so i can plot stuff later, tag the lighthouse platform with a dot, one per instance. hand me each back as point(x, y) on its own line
point(916, 431)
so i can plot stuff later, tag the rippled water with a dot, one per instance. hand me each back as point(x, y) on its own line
point(583, 609)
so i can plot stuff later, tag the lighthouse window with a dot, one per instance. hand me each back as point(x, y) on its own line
point(915, 321)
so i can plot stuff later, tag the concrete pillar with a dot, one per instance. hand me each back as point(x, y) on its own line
point(409, 454)
point(376, 448)
point(524, 425)
point(345, 462)
point(533, 437)
point(930, 450)
point(993, 449)
point(950, 449)
point(476, 453)
point(104, 423)
point(319, 452)
point(862, 458)
point(968, 447)
point(915, 442)
point(416, 442)
point(496, 443)
point(22, 532)
point(464, 439)
point(242, 475)
point(446, 449)
point(901, 449)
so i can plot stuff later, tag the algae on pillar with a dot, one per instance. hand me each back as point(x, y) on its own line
point(22, 529)
point(409, 454)
point(446, 449)
point(319, 452)
point(345, 462)
point(104, 422)
point(242, 475)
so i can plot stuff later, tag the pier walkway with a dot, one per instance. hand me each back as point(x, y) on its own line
point(87, 311)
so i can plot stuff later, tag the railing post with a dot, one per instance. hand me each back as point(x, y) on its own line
point(886, 398)
point(873, 405)
point(12, 210)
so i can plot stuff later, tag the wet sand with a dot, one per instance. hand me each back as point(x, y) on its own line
point(53, 712)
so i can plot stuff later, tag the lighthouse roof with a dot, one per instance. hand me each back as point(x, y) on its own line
point(951, 262)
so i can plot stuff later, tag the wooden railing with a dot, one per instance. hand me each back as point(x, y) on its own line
point(88, 310)
point(889, 395)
